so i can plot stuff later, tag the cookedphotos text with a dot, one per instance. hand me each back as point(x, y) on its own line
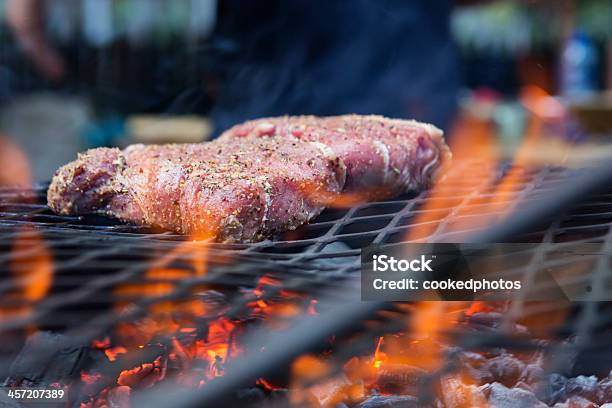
point(423, 264)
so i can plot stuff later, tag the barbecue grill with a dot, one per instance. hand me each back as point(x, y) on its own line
point(103, 275)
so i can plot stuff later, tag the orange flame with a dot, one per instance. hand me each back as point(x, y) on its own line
point(160, 280)
point(202, 340)
point(15, 170)
point(399, 358)
point(31, 265)
point(476, 149)
point(379, 356)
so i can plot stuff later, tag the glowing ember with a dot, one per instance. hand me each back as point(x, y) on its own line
point(90, 378)
point(113, 352)
point(201, 340)
point(34, 270)
point(378, 355)
point(144, 375)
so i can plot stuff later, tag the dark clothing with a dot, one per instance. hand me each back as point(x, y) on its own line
point(327, 57)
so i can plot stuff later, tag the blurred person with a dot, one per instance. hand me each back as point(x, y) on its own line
point(26, 20)
point(322, 57)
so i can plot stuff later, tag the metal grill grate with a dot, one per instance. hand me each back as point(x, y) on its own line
point(349, 229)
point(93, 256)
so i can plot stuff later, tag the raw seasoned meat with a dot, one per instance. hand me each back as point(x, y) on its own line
point(383, 157)
point(258, 179)
point(236, 191)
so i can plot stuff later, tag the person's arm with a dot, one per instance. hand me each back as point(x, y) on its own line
point(25, 19)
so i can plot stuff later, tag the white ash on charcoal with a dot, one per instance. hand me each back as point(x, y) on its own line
point(500, 396)
point(394, 401)
point(498, 379)
point(455, 394)
point(552, 389)
point(556, 388)
point(471, 366)
point(504, 369)
point(585, 387)
point(605, 386)
point(336, 390)
point(533, 373)
point(576, 402)
point(525, 386)
point(514, 379)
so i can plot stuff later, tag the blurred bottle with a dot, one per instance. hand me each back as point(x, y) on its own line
point(579, 63)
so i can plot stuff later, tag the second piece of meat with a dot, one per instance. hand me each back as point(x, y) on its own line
point(383, 157)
